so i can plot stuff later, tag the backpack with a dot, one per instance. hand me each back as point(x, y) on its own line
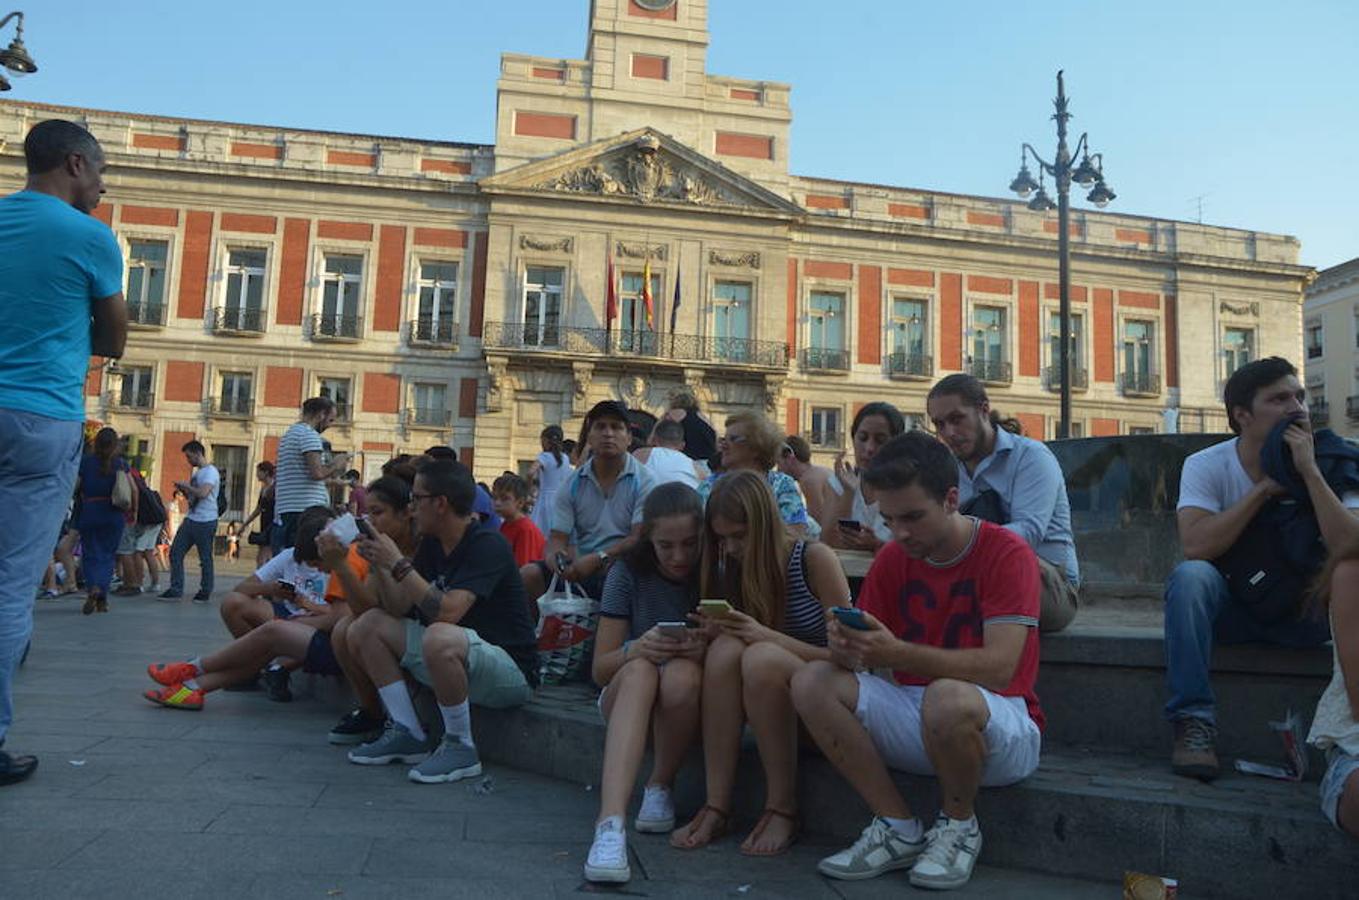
point(1271, 567)
point(150, 507)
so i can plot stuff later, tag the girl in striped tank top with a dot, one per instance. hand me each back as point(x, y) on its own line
point(779, 589)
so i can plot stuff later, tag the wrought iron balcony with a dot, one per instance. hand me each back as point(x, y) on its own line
point(130, 401)
point(1143, 383)
point(1080, 378)
point(599, 342)
point(1352, 407)
point(433, 332)
point(995, 371)
point(229, 407)
point(332, 327)
point(1319, 411)
point(830, 440)
point(910, 365)
point(237, 320)
point(147, 315)
point(822, 359)
point(419, 417)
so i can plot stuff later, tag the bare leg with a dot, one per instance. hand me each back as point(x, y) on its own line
point(953, 716)
point(722, 716)
point(675, 718)
point(345, 655)
point(766, 670)
point(381, 642)
point(1348, 812)
point(241, 614)
point(445, 650)
point(628, 705)
point(825, 696)
point(152, 567)
point(245, 656)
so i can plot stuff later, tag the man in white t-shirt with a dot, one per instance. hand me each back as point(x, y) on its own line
point(665, 455)
point(199, 527)
point(301, 471)
point(1222, 488)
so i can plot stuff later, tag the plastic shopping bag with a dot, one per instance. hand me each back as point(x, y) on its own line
point(567, 619)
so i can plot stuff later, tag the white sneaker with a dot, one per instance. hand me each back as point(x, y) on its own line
point(879, 849)
point(657, 815)
point(951, 850)
point(608, 859)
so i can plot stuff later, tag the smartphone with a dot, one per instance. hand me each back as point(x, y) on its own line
point(676, 631)
point(714, 607)
point(287, 588)
point(365, 529)
point(851, 525)
point(562, 562)
point(851, 618)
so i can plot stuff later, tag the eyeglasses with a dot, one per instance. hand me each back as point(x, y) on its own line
point(416, 498)
point(733, 438)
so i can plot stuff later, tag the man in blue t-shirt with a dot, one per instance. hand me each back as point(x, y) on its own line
point(61, 298)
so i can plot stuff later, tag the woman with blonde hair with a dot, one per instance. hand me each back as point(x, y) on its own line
point(779, 590)
point(752, 443)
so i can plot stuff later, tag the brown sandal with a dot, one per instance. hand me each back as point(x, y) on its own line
point(763, 822)
point(718, 831)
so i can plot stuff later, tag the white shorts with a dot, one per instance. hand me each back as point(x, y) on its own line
point(891, 714)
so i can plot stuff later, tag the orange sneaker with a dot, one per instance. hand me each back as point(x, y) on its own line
point(176, 696)
point(171, 673)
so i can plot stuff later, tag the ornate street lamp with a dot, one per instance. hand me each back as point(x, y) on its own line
point(1088, 174)
point(15, 57)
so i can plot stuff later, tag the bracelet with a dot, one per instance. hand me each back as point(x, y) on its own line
point(401, 568)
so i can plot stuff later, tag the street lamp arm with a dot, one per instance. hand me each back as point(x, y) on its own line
point(14, 15)
point(1045, 166)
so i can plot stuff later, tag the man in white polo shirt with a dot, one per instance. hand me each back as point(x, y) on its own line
point(301, 471)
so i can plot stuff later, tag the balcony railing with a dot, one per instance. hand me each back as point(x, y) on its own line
point(433, 332)
point(992, 370)
point(419, 417)
point(229, 407)
point(830, 440)
point(1080, 378)
point(141, 401)
point(821, 359)
point(1319, 411)
point(910, 365)
point(147, 315)
point(237, 320)
point(332, 327)
point(598, 342)
point(1352, 407)
point(1147, 383)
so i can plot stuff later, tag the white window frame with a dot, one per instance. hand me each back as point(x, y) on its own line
point(1153, 355)
point(358, 291)
point(248, 273)
point(443, 294)
point(1252, 351)
point(237, 405)
point(320, 379)
point(828, 438)
point(1318, 327)
point(140, 238)
point(640, 337)
point(541, 328)
point(1051, 336)
point(441, 421)
point(1007, 311)
point(126, 370)
point(714, 303)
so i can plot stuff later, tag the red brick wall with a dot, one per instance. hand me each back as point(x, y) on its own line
point(478, 307)
point(1054, 292)
point(813, 268)
point(990, 220)
point(645, 65)
point(378, 446)
point(548, 125)
point(752, 146)
point(270, 449)
point(950, 321)
point(391, 265)
point(158, 142)
point(1104, 336)
point(193, 277)
point(283, 387)
point(249, 223)
point(986, 285)
point(148, 215)
point(670, 12)
point(256, 151)
point(468, 457)
point(1139, 299)
point(826, 201)
point(910, 277)
point(870, 315)
point(908, 211)
point(793, 410)
point(467, 398)
point(1103, 427)
point(792, 305)
point(183, 381)
point(1030, 329)
point(744, 94)
point(1133, 236)
point(381, 392)
point(440, 237)
point(349, 158)
point(104, 213)
point(173, 466)
point(448, 166)
point(1033, 423)
point(94, 377)
point(292, 271)
point(344, 231)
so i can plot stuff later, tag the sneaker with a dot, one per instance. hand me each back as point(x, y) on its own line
point(452, 760)
point(170, 595)
point(951, 850)
point(356, 727)
point(1194, 755)
point(276, 685)
point(657, 815)
point(176, 696)
point(608, 859)
point(879, 849)
point(396, 744)
point(171, 673)
point(201, 597)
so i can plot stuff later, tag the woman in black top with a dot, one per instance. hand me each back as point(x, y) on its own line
point(264, 508)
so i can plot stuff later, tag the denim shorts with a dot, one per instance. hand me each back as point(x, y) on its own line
point(494, 680)
point(1339, 767)
point(320, 658)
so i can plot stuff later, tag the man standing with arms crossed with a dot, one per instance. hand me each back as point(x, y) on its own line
point(61, 279)
point(301, 472)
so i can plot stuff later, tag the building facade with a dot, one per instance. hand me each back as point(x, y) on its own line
point(1330, 333)
point(458, 293)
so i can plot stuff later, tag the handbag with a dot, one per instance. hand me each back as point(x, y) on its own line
point(121, 497)
point(1272, 564)
point(567, 620)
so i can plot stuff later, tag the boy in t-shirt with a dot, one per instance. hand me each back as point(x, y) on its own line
point(511, 494)
point(951, 606)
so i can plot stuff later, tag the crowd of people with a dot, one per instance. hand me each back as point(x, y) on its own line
point(716, 559)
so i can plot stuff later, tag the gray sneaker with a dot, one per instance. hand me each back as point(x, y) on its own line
point(397, 744)
point(451, 760)
point(879, 849)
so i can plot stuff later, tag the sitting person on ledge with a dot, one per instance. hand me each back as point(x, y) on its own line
point(849, 509)
point(1335, 730)
point(752, 443)
point(951, 607)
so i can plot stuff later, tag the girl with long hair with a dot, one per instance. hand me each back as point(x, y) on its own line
point(100, 523)
point(779, 589)
point(846, 498)
point(551, 470)
point(651, 674)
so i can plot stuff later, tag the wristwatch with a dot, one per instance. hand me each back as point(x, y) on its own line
point(603, 557)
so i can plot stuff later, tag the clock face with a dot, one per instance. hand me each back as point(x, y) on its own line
point(655, 5)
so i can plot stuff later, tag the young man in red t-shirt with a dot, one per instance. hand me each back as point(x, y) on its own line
point(951, 606)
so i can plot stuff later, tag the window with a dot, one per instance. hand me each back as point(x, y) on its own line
point(1079, 377)
point(146, 282)
point(1138, 356)
point(233, 466)
point(1238, 348)
point(542, 306)
point(430, 405)
point(989, 341)
point(1141, 429)
point(132, 387)
point(826, 427)
point(341, 297)
point(637, 324)
point(731, 320)
point(826, 338)
point(1076, 429)
point(910, 337)
point(337, 389)
point(244, 291)
point(437, 317)
point(236, 395)
point(1314, 340)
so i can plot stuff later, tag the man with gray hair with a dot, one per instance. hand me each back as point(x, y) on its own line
point(61, 296)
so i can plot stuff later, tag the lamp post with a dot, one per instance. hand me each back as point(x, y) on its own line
point(15, 57)
point(1089, 174)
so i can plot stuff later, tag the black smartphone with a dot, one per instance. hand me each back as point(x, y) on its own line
point(365, 529)
point(851, 525)
point(287, 588)
point(562, 561)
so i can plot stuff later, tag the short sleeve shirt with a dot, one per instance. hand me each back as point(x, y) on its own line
point(357, 564)
point(644, 600)
point(204, 509)
point(996, 580)
point(309, 581)
point(792, 508)
point(294, 488)
point(55, 261)
point(594, 520)
point(526, 541)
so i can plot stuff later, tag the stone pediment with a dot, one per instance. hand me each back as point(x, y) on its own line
point(644, 167)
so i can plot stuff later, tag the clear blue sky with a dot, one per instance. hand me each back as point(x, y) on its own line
point(1250, 104)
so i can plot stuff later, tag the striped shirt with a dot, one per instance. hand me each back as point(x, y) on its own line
point(294, 488)
point(804, 618)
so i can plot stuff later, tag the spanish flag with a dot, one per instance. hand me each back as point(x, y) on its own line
point(646, 293)
point(610, 296)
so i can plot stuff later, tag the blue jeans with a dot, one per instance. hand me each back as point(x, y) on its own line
point(192, 534)
point(1199, 610)
point(38, 461)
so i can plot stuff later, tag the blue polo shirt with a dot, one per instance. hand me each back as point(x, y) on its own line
point(594, 519)
point(1029, 480)
point(55, 261)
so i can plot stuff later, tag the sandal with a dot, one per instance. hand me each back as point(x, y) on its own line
point(718, 831)
point(763, 822)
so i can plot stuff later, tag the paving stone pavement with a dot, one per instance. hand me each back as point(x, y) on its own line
point(246, 799)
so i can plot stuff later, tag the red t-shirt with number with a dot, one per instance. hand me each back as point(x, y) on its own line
point(948, 606)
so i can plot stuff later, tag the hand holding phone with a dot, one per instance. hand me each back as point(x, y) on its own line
point(675, 631)
point(562, 561)
point(851, 525)
point(365, 528)
point(714, 607)
point(850, 617)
